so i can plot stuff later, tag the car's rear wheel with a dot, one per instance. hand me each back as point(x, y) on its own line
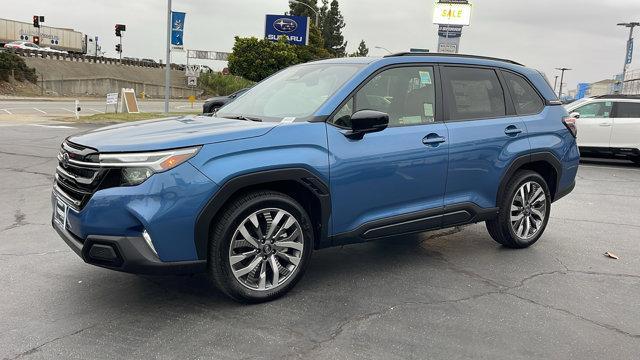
point(260, 246)
point(524, 211)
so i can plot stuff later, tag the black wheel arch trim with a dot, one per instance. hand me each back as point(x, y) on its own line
point(302, 176)
point(523, 160)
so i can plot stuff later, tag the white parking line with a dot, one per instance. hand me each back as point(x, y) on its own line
point(53, 126)
point(67, 110)
point(36, 109)
point(7, 111)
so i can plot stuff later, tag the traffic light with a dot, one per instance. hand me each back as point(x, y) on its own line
point(36, 40)
point(36, 21)
point(118, 48)
point(119, 29)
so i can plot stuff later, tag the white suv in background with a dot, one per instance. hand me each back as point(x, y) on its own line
point(608, 125)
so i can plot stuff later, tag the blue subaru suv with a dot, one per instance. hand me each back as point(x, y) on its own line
point(321, 154)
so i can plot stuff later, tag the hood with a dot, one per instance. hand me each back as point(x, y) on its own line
point(169, 133)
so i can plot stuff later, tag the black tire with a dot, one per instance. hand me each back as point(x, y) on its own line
point(501, 229)
point(219, 264)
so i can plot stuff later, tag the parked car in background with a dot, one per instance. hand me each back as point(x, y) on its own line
point(211, 105)
point(49, 49)
point(320, 154)
point(24, 45)
point(148, 61)
point(608, 125)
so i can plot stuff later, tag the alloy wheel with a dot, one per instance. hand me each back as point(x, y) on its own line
point(266, 249)
point(528, 210)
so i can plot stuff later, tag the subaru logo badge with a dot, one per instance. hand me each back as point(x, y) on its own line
point(285, 25)
point(65, 160)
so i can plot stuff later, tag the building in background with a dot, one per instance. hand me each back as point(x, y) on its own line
point(631, 85)
point(602, 87)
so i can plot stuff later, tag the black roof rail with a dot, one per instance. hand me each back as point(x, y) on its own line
point(617, 96)
point(413, 53)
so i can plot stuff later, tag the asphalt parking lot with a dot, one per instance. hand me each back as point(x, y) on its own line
point(453, 294)
point(65, 107)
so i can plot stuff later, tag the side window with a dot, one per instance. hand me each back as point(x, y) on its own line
point(525, 98)
point(627, 110)
point(601, 109)
point(407, 94)
point(473, 93)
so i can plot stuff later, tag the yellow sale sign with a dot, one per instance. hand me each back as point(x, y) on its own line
point(452, 14)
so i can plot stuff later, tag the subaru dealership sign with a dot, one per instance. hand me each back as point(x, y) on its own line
point(294, 28)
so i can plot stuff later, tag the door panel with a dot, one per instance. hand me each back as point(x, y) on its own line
point(625, 132)
point(483, 139)
point(594, 124)
point(480, 152)
point(385, 174)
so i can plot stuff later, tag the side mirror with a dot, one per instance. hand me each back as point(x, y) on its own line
point(367, 121)
point(575, 115)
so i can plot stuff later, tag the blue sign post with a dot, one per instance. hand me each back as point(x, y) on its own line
point(629, 52)
point(177, 30)
point(294, 28)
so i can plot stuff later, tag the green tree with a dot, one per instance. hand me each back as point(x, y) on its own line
point(331, 26)
point(302, 10)
point(362, 51)
point(255, 59)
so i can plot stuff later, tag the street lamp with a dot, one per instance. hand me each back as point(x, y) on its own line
point(383, 48)
point(630, 25)
point(310, 8)
point(555, 83)
point(561, 79)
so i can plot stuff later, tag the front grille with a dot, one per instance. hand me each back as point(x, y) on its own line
point(75, 182)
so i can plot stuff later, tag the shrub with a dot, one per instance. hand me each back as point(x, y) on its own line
point(14, 64)
point(218, 84)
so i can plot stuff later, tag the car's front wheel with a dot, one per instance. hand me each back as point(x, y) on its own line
point(524, 211)
point(260, 246)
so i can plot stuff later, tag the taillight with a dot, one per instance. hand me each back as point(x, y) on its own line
point(570, 123)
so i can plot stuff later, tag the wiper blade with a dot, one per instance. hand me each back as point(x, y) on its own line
point(242, 117)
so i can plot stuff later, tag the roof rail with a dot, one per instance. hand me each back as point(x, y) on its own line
point(617, 96)
point(407, 53)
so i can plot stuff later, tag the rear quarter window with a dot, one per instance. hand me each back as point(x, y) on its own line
point(525, 98)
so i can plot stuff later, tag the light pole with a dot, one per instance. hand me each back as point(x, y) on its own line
point(383, 48)
point(310, 8)
point(167, 69)
point(555, 83)
point(630, 25)
point(561, 80)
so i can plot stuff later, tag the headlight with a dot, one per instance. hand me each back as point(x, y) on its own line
point(138, 167)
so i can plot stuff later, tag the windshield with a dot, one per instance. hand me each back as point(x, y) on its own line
point(294, 92)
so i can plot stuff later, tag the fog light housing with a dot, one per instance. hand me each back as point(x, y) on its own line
point(147, 238)
point(135, 176)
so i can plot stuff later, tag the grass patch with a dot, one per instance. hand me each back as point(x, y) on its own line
point(125, 117)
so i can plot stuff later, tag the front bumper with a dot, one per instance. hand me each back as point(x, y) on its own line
point(127, 254)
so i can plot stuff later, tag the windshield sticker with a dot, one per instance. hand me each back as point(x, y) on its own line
point(425, 77)
point(288, 120)
point(608, 103)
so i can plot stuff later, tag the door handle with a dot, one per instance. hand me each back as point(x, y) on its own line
point(512, 130)
point(433, 139)
point(605, 124)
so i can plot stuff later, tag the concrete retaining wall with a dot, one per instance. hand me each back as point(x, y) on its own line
point(66, 77)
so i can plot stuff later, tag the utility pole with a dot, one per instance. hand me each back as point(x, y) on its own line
point(555, 83)
point(563, 69)
point(629, 50)
point(167, 71)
